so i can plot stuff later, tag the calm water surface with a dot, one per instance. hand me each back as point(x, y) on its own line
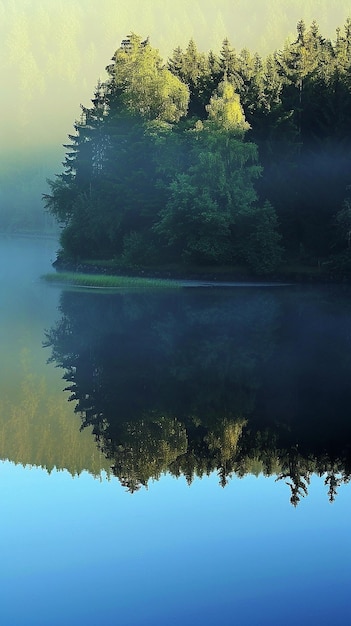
point(174, 457)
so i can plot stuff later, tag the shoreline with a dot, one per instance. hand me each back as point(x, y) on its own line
point(212, 276)
point(292, 274)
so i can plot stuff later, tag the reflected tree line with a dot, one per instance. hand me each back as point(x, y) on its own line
point(37, 429)
point(193, 381)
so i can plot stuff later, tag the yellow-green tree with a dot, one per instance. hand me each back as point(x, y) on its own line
point(212, 207)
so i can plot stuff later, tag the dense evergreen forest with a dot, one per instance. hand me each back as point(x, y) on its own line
point(225, 159)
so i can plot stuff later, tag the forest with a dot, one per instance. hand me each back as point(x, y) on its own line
point(213, 160)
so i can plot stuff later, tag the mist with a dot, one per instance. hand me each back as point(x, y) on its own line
point(54, 53)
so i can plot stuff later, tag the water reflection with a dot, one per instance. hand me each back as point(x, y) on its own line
point(36, 429)
point(196, 381)
point(36, 423)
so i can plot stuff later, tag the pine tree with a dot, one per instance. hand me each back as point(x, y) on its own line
point(193, 69)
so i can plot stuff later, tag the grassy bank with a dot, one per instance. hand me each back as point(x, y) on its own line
point(293, 271)
point(106, 281)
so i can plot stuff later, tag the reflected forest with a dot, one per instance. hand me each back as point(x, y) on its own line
point(195, 381)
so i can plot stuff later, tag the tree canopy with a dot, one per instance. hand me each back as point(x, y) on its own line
point(212, 159)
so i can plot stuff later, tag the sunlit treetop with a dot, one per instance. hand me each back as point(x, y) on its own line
point(225, 111)
point(143, 84)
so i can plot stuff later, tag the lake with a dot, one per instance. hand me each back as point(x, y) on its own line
point(178, 456)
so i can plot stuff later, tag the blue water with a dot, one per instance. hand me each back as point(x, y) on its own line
point(83, 550)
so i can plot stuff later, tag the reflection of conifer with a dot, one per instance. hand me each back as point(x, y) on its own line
point(333, 483)
point(335, 471)
point(144, 449)
point(299, 477)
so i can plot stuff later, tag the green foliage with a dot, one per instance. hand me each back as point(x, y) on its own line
point(140, 249)
point(145, 87)
point(263, 250)
point(211, 159)
point(194, 70)
point(212, 214)
point(225, 111)
point(192, 223)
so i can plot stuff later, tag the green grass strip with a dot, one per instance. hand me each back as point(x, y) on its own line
point(105, 281)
